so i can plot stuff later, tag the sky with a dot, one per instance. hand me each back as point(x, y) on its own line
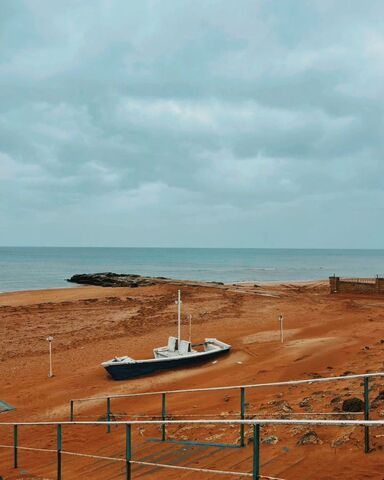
point(192, 123)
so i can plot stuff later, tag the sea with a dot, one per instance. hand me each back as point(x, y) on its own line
point(28, 268)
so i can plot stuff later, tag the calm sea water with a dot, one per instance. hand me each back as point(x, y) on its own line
point(24, 268)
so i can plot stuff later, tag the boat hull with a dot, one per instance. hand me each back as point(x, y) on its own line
point(138, 369)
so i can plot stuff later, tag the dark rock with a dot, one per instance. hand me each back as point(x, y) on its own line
point(353, 405)
point(110, 279)
point(310, 437)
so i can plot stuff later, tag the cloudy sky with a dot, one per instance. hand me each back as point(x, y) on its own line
point(192, 123)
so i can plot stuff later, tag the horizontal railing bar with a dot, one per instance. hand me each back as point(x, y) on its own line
point(193, 469)
point(234, 387)
point(88, 455)
point(254, 421)
point(33, 449)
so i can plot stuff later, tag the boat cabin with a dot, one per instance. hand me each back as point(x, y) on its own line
point(173, 349)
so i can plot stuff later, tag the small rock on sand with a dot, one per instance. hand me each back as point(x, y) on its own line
point(309, 438)
point(271, 440)
point(353, 404)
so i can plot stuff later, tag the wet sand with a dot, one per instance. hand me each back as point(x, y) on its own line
point(325, 335)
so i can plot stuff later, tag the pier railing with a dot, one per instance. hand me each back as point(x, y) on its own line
point(242, 392)
point(128, 460)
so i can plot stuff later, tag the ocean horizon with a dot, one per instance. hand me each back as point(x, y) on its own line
point(30, 268)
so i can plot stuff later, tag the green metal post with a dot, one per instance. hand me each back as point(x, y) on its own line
point(128, 451)
point(59, 446)
point(242, 415)
point(108, 415)
point(72, 414)
point(256, 452)
point(366, 414)
point(15, 444)
point(163, 417)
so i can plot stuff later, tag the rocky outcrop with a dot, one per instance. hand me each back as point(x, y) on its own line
point(110, 279)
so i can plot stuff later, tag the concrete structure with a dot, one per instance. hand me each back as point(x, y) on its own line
point(356, 285)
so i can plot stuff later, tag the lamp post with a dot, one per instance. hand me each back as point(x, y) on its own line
point(281, 320)
point(50, 339)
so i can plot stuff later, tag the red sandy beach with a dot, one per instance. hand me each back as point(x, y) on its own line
point(326, 335)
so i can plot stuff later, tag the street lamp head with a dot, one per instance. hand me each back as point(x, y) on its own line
point(49, 338)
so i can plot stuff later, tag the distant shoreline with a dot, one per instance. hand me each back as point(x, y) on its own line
point(74, 286)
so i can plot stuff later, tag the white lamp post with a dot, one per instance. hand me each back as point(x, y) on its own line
point(50, 339)
point(281, 320)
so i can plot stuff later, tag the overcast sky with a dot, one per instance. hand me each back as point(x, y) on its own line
point(192, 123)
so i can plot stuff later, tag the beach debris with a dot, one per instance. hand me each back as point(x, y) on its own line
point(353, 404)
point(308, 438)
point(281, 405)
point(6, 407)
point(305, 403)
point(342, 440)
point(380, 398)
point(271, 440)
point(336, 403)
point(296, 429)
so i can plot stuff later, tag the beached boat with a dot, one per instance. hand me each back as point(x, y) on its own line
point(178, 353)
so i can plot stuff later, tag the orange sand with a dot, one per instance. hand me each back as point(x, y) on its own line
point(325, 335)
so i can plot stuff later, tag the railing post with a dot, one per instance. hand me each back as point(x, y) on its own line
point(59, 446)
point(366, 414)
point(242, 415)
point(256, 451)
point(128, 451)
point(15, 444)
point(72, 414)
point(108, 414)
point(163, 417)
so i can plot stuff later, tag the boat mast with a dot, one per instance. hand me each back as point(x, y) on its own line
point(178, 319)
point(190, 327)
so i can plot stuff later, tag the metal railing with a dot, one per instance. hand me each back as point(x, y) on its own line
point(256, 425)
point(369, 280)
point(242, 400)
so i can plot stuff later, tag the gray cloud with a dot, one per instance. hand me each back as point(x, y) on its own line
point(216, 123)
